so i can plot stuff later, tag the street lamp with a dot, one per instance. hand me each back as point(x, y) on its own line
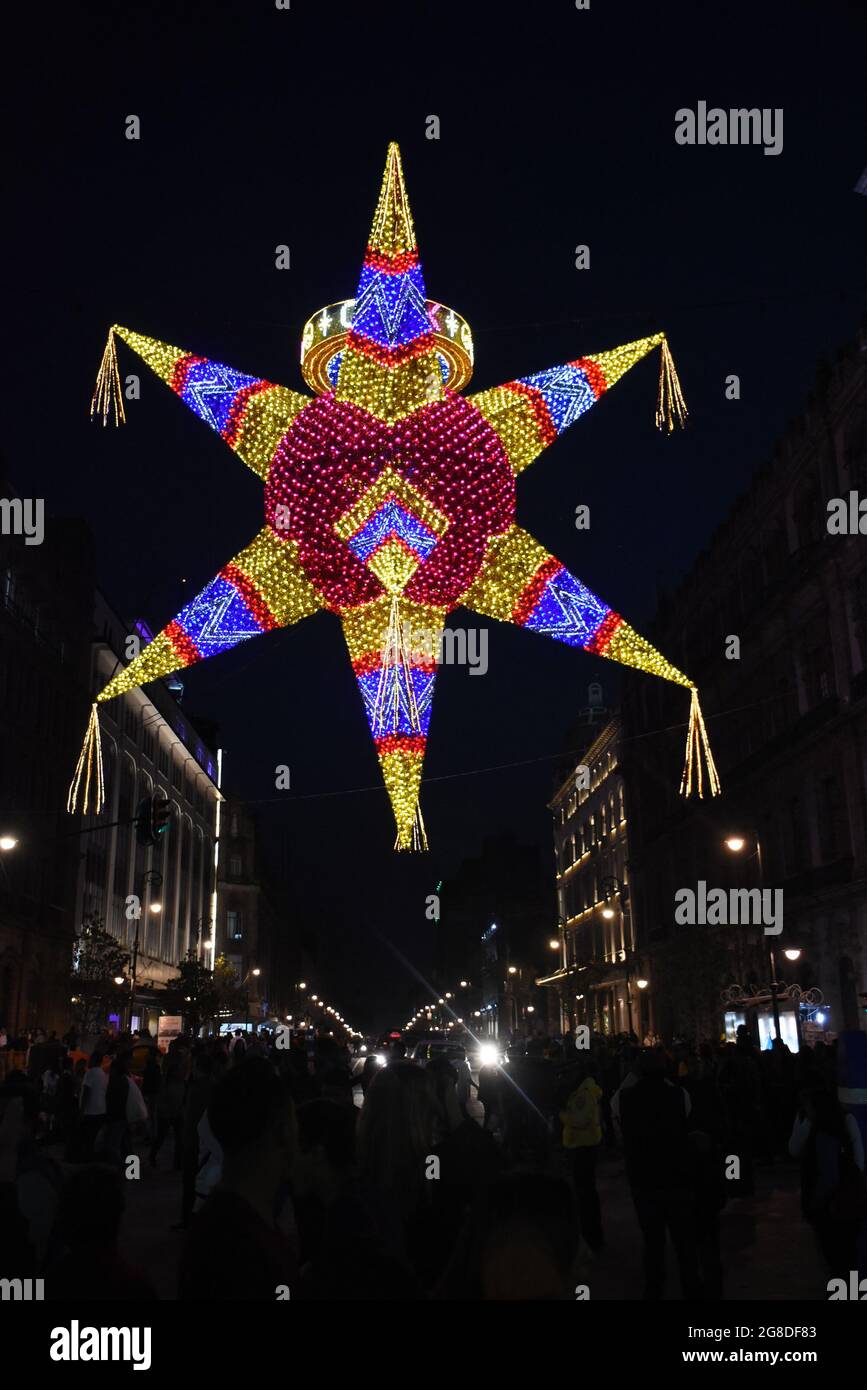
point(151, 878)
point(7, 842)
point(736, 843)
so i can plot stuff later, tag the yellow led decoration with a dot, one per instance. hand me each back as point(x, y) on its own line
point(390, 500)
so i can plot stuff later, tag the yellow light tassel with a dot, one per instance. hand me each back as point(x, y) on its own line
point(395, 657)
point(670, 404)
point(107, 394)
point(419, 843)
point(698, 747)
point(89, 765)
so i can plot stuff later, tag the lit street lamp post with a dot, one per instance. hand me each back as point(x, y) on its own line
point(151, 877)
point(737, 843)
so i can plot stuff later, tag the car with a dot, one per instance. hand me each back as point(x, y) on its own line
point(489, 1054)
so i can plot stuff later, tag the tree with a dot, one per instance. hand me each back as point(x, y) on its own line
point(193, 991)
point(231, 994)
point(696, 966)
point(98, 961)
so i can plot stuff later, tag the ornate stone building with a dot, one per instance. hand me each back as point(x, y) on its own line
point(597, 979)
point(149, 744)
point(46, 604)
point(771, 622)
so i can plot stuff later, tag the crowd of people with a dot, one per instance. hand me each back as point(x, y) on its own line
point(323, 1179)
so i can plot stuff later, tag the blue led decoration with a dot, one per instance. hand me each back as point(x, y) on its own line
point(567, 611)
point(210, 390)
point(392, 520)
point(566, 391)
point(218, 618)
point(377, 688)
point(390, 309)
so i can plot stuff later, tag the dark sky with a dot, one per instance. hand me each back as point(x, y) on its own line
point(262, 127)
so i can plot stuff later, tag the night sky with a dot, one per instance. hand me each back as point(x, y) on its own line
point(262, 127)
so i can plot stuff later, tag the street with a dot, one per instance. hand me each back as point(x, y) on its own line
point(768, 1250)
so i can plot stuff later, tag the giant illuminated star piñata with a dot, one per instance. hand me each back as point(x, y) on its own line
point(390, 500)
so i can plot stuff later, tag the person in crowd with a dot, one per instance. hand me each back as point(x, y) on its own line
point(467, 1162)
point(527, 1096)
point(65, 1103)
point(90, 1264)
point(582, 1137)
point(653, 1122)
point(169, 1108)
point(93, 1092)
point(395, 1136)
point(208, 1066)
point(150, 1087)
point(342, 1255)
point(833, 1194)
point(520, 1245)
point(253, 1120)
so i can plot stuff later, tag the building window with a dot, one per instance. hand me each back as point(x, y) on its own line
point(234, 866)
point(233, 926)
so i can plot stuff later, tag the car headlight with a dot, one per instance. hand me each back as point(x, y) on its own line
point(489, 1055)
point(380, 1059)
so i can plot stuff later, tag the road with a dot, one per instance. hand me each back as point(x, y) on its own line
point(768, 1251)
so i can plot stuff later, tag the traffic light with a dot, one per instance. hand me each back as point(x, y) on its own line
point(152, 819)
point(161, 815)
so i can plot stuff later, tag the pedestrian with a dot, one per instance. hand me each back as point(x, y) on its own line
point(833, 1196)
point(653, 1122)
point(582, 1137)
point(93, 1091)
point(253, 1119)
point(150, 1088)
point(170, 1107)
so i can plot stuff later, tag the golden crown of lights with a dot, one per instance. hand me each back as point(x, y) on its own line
point(325, 333)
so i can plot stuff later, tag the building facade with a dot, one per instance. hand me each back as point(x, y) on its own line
point(46, 602)
point(497, 915)
point(597, 979)
point(149, 745)
point(772, 624)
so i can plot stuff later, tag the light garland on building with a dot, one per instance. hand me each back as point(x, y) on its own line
point(389, 500)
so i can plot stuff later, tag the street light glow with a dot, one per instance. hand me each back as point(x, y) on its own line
point(608, 912)
point(735, 843)
point(792, 952)
point(7, 842)
point(642, 983)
